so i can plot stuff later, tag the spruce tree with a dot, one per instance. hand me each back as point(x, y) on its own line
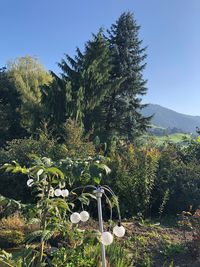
point(55, 97)
point(88, 74)
point(123, 106)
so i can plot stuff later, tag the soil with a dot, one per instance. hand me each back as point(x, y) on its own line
point(166, 246)
point(157, 236)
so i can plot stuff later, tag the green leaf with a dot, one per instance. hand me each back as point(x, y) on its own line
point(97, 180)
point(90, 195)
point(55, 171)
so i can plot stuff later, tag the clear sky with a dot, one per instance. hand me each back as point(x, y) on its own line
point(48, 29)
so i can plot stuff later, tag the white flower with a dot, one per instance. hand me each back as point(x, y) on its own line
point(65, 193)
point(97, 161)
point(30, 182)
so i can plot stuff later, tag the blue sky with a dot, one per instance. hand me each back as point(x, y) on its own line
point(170, 28)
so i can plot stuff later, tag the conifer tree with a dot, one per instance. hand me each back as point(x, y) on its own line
point(88, 74)
point(123, 106)
point(55, 98)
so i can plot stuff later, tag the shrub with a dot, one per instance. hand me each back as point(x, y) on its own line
point(20, 150)
point(77, 145)
point(14, 222)
point(191, 221)
point(132, 178)
point(11, 238)
point(178, 174)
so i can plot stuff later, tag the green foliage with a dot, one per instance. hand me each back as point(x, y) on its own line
point(43, 176)
point(88, 76)
point(25, 258)
point(29, 76)
point(77, 146)
point(145, 261)
point(106, 83)
point(171, 250)
point(22, 150)
point(88, 254)
point(44, 179)
point(9, 105)
point(10, 238)
point(70, 258)
point(124, 102)
point(178, 172)
point(55, 102)
point(117, 256)
point(132, 177)
point(9, 206)
point(191, 221)
point(138, 247)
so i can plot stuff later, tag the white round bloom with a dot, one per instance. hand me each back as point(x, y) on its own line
point(119, 231)
point(58, 192)
point(65, 193)
point(106, 238)
point(84, 216)
point(75, 217)
point(30, 182)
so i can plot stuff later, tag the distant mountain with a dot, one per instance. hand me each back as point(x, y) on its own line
point(167, 118)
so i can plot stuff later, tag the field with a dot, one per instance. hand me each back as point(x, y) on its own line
point(174, 138)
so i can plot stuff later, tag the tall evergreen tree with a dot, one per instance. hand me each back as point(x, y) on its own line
point(123, 106)
point(88, 74)
point(55, 98)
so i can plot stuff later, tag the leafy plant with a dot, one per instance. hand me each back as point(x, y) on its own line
point(171, 250)
point(54, 202)
point(133, 177)
point(11, 238)
point(191, 221)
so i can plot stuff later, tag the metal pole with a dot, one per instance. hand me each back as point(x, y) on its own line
point(99, 192)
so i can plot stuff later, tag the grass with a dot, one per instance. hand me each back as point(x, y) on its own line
point(174, 138)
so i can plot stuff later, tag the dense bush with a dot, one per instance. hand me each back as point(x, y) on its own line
point(132, 178)
point(178, 175)
point(147, 180)
point(10, 238)
point(21, 150)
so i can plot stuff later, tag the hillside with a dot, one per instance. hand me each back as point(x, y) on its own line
point(167, 118)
